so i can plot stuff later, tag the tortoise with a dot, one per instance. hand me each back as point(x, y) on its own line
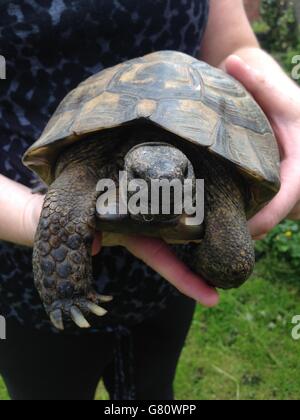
point(163, 116)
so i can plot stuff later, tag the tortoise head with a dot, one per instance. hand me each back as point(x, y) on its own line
point(159, 171)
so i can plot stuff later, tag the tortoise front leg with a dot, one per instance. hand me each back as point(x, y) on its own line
point(62, 256)
point(226, 256)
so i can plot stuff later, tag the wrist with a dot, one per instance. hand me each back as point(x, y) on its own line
point(30, 218)
point(19, 212)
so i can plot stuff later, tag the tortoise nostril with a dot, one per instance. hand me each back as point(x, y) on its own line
point(135, 173)
point(186, 171)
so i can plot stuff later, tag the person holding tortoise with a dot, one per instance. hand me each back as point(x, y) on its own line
point(51, 46)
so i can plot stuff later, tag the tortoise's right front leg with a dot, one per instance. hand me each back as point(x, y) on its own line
point(62, 256)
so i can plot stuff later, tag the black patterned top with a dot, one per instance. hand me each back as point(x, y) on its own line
point(50, 46)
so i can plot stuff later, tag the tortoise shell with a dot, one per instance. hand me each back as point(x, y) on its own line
point(182, 95)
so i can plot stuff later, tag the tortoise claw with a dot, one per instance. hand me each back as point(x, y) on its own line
point(95, 309)
point(105, 298)
point(76, 309)
point(57, 319)
point(78, 318)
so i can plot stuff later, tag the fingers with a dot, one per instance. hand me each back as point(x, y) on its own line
point(282, 205)
point(273, 99)
point(157, 255)
point(283, 112)
point(266, 219)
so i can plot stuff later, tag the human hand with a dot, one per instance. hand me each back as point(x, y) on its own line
point(19, 212)
point(282, 107)
point(158, 255)
point(31, 216)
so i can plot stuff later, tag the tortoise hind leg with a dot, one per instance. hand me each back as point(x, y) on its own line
point(62, 259)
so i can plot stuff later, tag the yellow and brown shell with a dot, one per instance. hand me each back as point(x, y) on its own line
point(177, 92)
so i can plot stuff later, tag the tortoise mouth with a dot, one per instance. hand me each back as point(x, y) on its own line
point(172, 228)
point(155, 221)
point(175, 230)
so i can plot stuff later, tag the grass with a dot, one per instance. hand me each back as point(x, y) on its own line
point(243, 349)
point(3, 393)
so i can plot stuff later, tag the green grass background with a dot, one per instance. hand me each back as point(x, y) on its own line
point(243, 349)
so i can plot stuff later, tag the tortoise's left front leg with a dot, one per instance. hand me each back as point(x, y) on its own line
point(226, 256)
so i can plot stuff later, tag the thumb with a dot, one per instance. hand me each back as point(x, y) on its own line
point(282, 204)
point(268, 95)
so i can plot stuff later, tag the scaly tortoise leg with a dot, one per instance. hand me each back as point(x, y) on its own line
point(62, 258)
